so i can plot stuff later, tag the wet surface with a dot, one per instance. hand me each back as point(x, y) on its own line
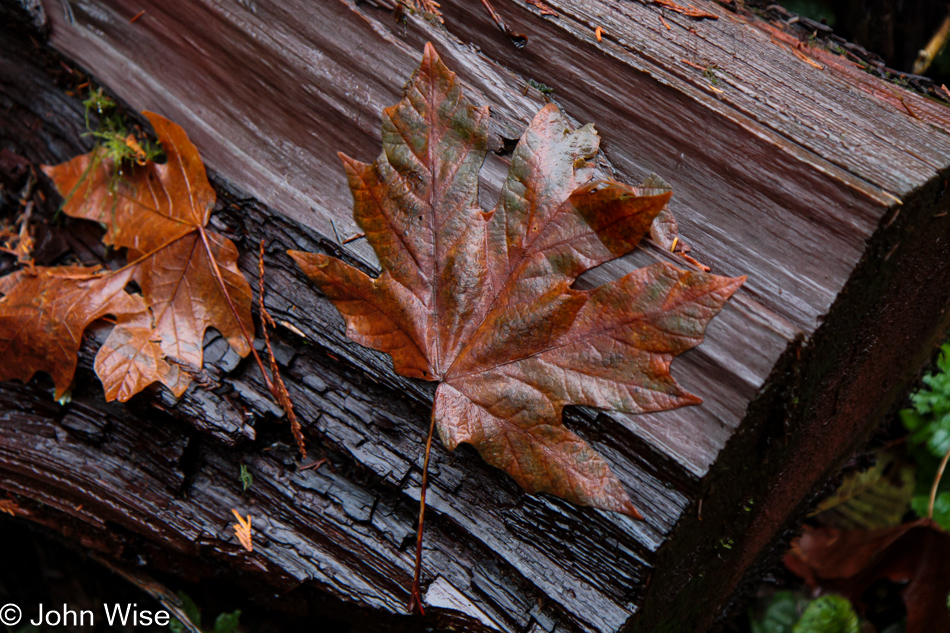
point(779, 177)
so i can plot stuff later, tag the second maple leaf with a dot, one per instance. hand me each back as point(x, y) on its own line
point(483, 303)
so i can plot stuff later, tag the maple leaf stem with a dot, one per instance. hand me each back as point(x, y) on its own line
point(224, 291)
point(415, 601)
point(936, 484)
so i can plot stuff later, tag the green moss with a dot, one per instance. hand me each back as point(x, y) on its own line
point(540, 87)
point(112, 132)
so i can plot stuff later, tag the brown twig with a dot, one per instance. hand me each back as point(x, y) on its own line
point(415, 600)
point(936, 484)
point(929, 53)
point(247, 337)
point(314, 465)
point(689, 12)
point(907, 107)
point(517, 39)
point(282, 395)
point(426, 6)
point(545, 9)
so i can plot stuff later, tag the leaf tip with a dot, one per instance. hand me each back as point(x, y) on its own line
point(733, 284)
point(631, 511)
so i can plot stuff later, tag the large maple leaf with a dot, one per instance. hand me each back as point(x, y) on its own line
point(188, 277)
point(483, 301)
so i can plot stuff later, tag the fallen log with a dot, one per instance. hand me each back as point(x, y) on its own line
point(823, 184)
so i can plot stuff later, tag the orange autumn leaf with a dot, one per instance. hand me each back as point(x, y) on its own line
point(242, 529)
point(483, 301)
point(46, 310)
point(188, 277)
point(158, 212)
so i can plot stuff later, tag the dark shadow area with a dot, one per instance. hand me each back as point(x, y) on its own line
point(897, 30)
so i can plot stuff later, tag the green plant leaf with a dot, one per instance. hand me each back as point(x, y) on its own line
point(782, 612)
point(928, 423)
point(224, 623)
point(929, 420)
point(227, 622)
point(876, 498)
point(829, 614)
point(921, 504)
point(191, 610)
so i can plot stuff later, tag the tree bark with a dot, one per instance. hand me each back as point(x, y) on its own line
point(815, 183)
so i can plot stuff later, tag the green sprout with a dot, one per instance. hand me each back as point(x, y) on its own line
point(246, 478)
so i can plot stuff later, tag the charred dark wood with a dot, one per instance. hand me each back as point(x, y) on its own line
point(830, 198)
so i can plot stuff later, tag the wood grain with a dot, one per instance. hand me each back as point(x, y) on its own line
point(792, 175)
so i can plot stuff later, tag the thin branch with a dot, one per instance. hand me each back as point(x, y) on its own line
point(283, 396)
point(933, 489)
point(929, 53)
point(234, 312)
point(517, 39)
point(415, 600)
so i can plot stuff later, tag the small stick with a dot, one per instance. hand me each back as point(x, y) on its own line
point(545, 9)
point(929, 53)
point(280, 391)
point(313, 465)
point(224, 291)
point(137, 16)
point(517, 39)
point(415, 601)
point(933, 489)
point(335, 233)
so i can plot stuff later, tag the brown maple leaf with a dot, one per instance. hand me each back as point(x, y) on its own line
point(850, 561)
point(46, 310)
point(188, 277)
point(483, 302)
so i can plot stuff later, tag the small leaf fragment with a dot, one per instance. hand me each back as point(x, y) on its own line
point(242, 529)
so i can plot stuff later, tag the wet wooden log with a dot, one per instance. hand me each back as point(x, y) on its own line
point(824, 184)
